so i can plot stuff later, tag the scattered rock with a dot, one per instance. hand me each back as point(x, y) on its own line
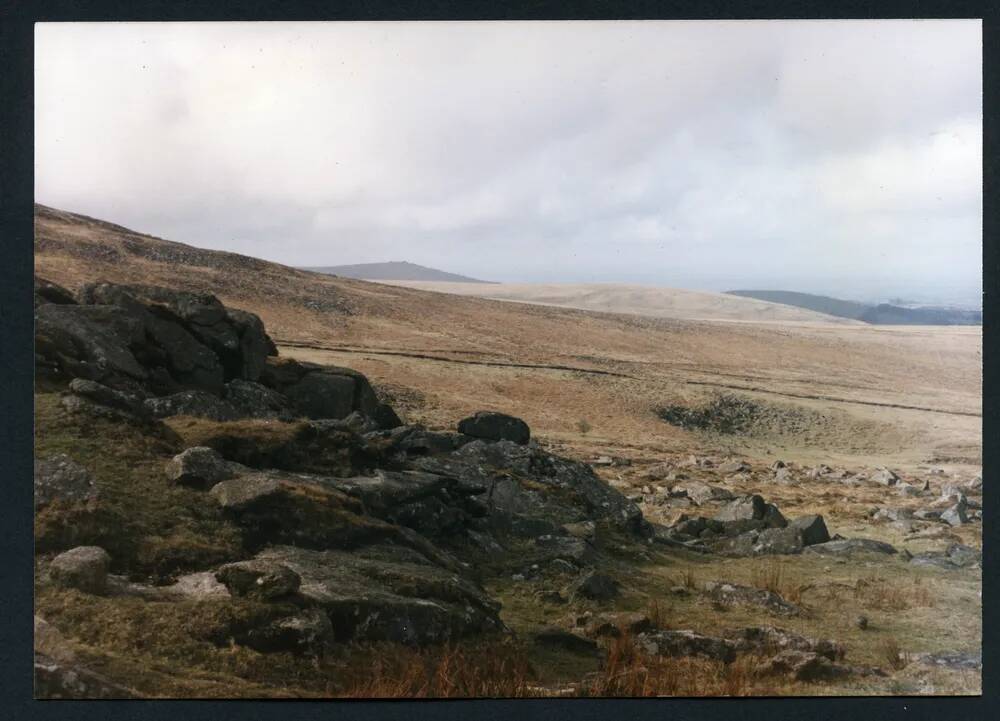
point(731, 593)
point(952, 660)
point(595, 586)
point(702, 493)
point(747, 508)
point(957, 555)
point(493, 426)
point(885, 477)
point(84, 568)
point(813, 529)
point(955, 516)
point(861, 622)
point(734, 467)
point(768, 639)
point(687, 643)
point(613, 625)
point(802, 666)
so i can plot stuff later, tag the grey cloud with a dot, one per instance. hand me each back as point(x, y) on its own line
point(842, 157)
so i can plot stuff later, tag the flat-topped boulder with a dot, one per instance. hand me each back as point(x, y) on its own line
point(384, 593)
point(850, 546)
point(493, 426)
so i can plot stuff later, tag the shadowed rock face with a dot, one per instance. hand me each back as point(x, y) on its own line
point(177, 353)
point(158, 339)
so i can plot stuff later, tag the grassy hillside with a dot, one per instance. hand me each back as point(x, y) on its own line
point(394, 270)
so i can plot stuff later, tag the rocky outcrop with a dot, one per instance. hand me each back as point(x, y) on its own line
point(528, 491)
point(317, 391)
point(176, 353)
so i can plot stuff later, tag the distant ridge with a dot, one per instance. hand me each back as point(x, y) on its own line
point(394, 270)
point(881, 314)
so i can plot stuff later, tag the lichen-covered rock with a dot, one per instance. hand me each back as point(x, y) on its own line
point(747, 508)
point(803, 666)
point(201, 467)
point(885, 477)
point(90, 342)
point(686, 643)
point(533, 492)
point(253, 400)
point(84, 568)
point(130, 404)
point(200, 404)
point(257, 578)
point(493, 426)
point(701, 493)
point(308, 632)
point(59, 477)
point(850, 546)
point(768, 639)
point(387, 593)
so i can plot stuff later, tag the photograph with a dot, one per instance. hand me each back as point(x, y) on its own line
point(506, 359)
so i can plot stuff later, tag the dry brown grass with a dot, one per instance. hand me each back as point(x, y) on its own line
point(687, 579)
point(658, 614)
point(490, 670)
point(628, 672)
point(888, 595)
point(892, 654)
point(772, 576)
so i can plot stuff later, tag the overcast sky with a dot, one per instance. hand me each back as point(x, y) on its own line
point(835, 157)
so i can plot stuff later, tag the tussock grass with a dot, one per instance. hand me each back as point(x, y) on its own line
point(492, 669)
point(878, 592)
point(772, 576)
point(628, 672)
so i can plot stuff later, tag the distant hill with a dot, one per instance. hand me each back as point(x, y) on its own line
point(394, 270)
point(881, 314)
